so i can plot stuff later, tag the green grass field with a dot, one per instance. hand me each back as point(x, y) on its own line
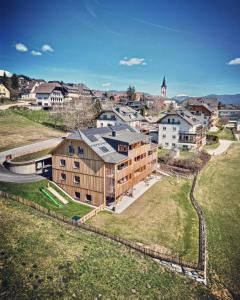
point(224, 134)
point(30, 191)
point(16, 131)
point(218, 191)
point(31, 156)
point(162, 218)
point(41, 258)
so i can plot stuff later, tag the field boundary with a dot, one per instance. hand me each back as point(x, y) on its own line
point(176, 261)
point(202, 229)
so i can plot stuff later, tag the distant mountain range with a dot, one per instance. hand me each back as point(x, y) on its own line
point(224, 99)
point(227, 99)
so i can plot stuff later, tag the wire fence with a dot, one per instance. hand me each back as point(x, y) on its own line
point(133, 245)
point(202, 228)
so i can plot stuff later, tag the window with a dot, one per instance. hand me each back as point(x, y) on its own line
point(76, 165)
point(77, 195)
point(88, 198)
point(71, 149)
point(77, 179)
point(62, 163)
point(63, 176)
point(174, 128)
point(169, 120)
point(164, 128)
point(122, 148)
point(163, 136)
point(173, 144)
point(166, 144)
point(80, 151)
point(174, 136)
point(104, 149)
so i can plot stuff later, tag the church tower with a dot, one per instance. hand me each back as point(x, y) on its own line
point(164, 88)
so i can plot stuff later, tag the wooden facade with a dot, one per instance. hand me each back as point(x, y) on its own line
point(86, 177)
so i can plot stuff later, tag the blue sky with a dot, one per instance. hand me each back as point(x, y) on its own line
point(111, 44)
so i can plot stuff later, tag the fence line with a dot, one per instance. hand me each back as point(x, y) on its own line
point(202, 228)
point(133, 245)
point(91, 214)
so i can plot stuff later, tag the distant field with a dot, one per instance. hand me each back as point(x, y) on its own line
point(218, 191)
point(41, 258)
point(16, 130)
point(162, 218)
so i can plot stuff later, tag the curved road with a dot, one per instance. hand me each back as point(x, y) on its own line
point(7, 176)
point(223, 146)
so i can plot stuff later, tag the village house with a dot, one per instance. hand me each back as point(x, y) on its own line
point(119, 115)
point(50, 94)
point(203, 113)
point(100, 165)
point(28, 91)
point(203, 107)
point(4, 92)
point(180, 129)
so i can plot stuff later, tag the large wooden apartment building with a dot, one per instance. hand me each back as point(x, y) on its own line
point(100, 165)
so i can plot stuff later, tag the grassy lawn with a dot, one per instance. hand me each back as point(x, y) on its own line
point(41, 116)
point(31, 192)
point(186, 154)
point(162, 218)
point(31, 156)
point(224, 134)
point(218, 191)
point(41, 258)
point(16, 130)
point(211, 146)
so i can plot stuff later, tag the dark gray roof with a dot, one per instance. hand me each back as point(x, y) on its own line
point(184, 114)
point(126, 137)
point(126, 113)
point(97, 139)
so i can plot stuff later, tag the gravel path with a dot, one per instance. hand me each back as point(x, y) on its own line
point(223, 146)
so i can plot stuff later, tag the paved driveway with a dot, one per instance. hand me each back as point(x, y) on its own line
point(223, 146)
point(7, 176)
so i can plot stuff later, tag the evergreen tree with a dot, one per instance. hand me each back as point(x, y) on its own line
point(97, 107)
point(171, 107)
point(14, 82)
point(131, 93)
point(4, 79)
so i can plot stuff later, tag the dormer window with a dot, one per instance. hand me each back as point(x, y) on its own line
point(71, 149)
point(80, 151)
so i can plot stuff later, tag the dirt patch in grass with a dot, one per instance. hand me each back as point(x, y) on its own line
point(45, 259)
point(16, 131)
point(162, 218)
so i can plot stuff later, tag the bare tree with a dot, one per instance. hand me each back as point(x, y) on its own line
point(76, 112)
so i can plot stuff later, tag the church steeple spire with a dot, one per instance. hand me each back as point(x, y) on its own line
point(164, 88)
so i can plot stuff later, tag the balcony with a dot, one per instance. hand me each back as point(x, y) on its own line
point(171, 122)
point(106, 118)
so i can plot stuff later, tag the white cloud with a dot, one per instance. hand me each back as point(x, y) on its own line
point(106, 84)
point(21, 47)
point(235, 61)
point(132, 61)
point(36, 53)
point(46, 48)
